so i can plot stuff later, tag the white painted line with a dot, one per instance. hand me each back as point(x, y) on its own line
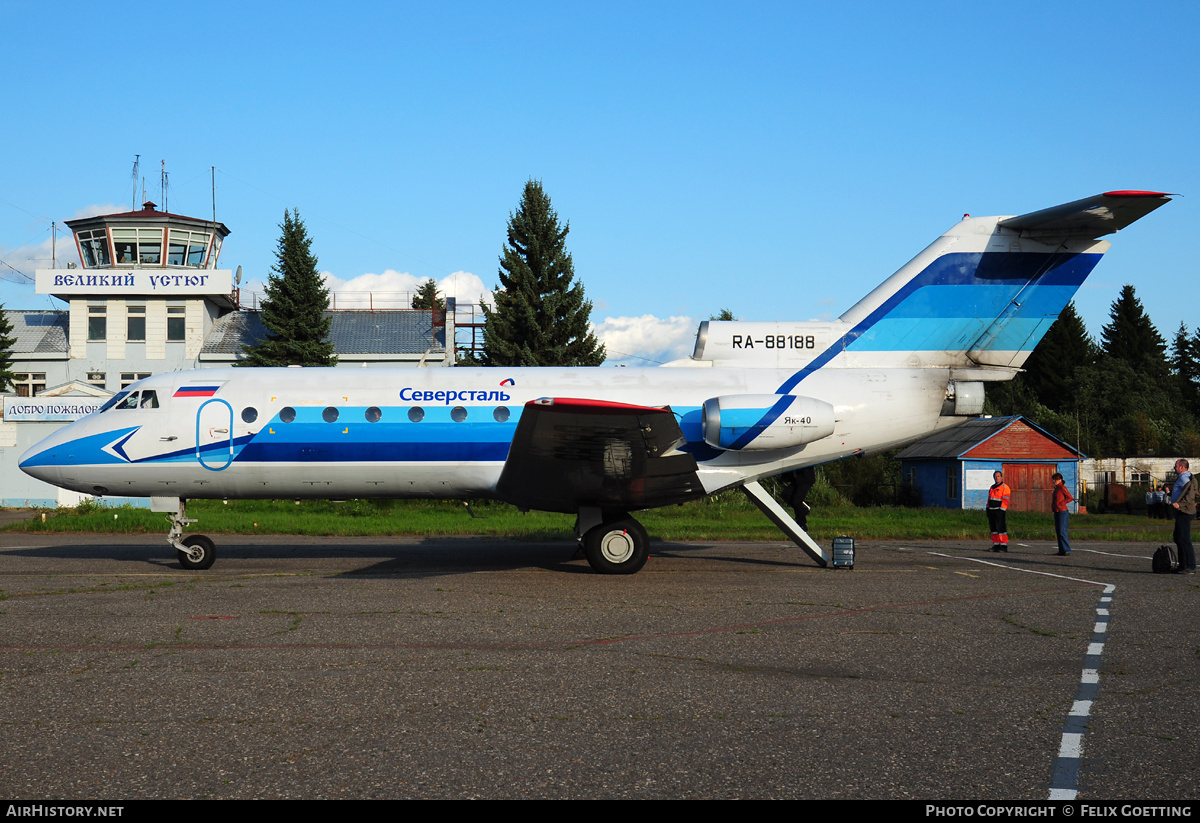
point(1070, 752)
point(1015, 569)
point(1072, 745)
point(1114, 554)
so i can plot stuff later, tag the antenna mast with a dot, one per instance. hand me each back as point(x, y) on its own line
point(133, 198)
point(164, 186)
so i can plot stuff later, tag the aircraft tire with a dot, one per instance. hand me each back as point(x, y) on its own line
point(619, 547)
point(207, 558)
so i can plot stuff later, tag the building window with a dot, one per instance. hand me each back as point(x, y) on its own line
point(97, 323)
point(29, 384)
point(136, 324)
point(138, 246)
point(951, 482)
point(97, 379)
point(187, 248)
point(176, 324)
point(94, 247)
point(128, 378)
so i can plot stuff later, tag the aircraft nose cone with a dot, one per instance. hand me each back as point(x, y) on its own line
point(38, 461)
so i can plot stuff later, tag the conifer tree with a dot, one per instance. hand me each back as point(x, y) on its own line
point(1185, 362)
point(294, 308)
point(541, 317)
point(1130, 336)
point(427, 296)
point(6, 344)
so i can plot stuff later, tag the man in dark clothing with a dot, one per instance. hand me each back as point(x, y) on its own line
point(799, 484)
point(1183, 502)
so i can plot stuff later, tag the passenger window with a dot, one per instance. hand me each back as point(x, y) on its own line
point(287, 414)
point(501, 414)
point(458, 414)
point(373, 414)
point(330, 415)
point(249, 414)
point(416, 414)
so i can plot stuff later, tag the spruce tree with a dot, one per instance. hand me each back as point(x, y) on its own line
point(6, 344)
point(1130, 336)
point(1185, 362)
point(427, 296)
point(541, 317)
point(295, 305)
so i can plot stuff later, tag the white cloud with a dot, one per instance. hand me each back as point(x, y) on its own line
point(97, 208)
point(637, 340)
point(394, 290)
point(29, 258)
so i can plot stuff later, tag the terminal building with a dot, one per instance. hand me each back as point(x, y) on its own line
point(147, 297)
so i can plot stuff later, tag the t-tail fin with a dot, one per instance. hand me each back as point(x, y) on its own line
point(977, 300)
point(987, 291)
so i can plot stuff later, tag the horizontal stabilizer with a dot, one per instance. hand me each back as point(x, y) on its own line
point(1090, 217)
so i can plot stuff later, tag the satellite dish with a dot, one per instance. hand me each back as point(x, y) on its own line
point(237, 278)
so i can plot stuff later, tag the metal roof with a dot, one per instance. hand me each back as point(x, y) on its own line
point(39, 332)
point(955, 442)
point(352, 332)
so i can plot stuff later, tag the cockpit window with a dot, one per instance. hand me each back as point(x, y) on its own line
point(147, 399)
point(112, 401)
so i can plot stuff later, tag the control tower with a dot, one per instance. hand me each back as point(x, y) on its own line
point(146, 296)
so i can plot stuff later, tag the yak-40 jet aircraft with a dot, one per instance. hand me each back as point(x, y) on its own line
point(755, 399)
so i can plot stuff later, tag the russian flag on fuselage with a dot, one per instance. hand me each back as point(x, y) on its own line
point(196, 391)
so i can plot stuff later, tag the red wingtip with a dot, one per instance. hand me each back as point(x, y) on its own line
point(1132, 193)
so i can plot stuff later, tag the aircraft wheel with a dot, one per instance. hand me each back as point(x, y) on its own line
point(619, 547)
point(200, 543)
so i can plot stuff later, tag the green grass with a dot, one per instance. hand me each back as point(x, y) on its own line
point(727, 516)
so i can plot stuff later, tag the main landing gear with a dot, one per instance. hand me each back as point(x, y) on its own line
point(613, 543)
point(196, 552)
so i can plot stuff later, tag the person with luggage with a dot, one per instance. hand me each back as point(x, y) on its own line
point(999, 496)
point(1060, 505)
point(1183, 502)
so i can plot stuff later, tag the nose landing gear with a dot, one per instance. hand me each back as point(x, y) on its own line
point(195, 552)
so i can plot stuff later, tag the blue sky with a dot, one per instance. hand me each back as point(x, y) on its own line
point(778, 159)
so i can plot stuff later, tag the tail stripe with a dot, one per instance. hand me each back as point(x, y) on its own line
point(949, 305)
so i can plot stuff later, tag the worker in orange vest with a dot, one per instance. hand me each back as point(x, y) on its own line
point(999, 496)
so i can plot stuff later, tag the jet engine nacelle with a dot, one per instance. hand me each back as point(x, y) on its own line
point(757, 422)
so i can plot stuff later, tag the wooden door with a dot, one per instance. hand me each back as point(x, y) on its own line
point(1031, 486)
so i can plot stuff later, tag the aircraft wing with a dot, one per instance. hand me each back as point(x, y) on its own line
point(1090, 217)
point(567, 453)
